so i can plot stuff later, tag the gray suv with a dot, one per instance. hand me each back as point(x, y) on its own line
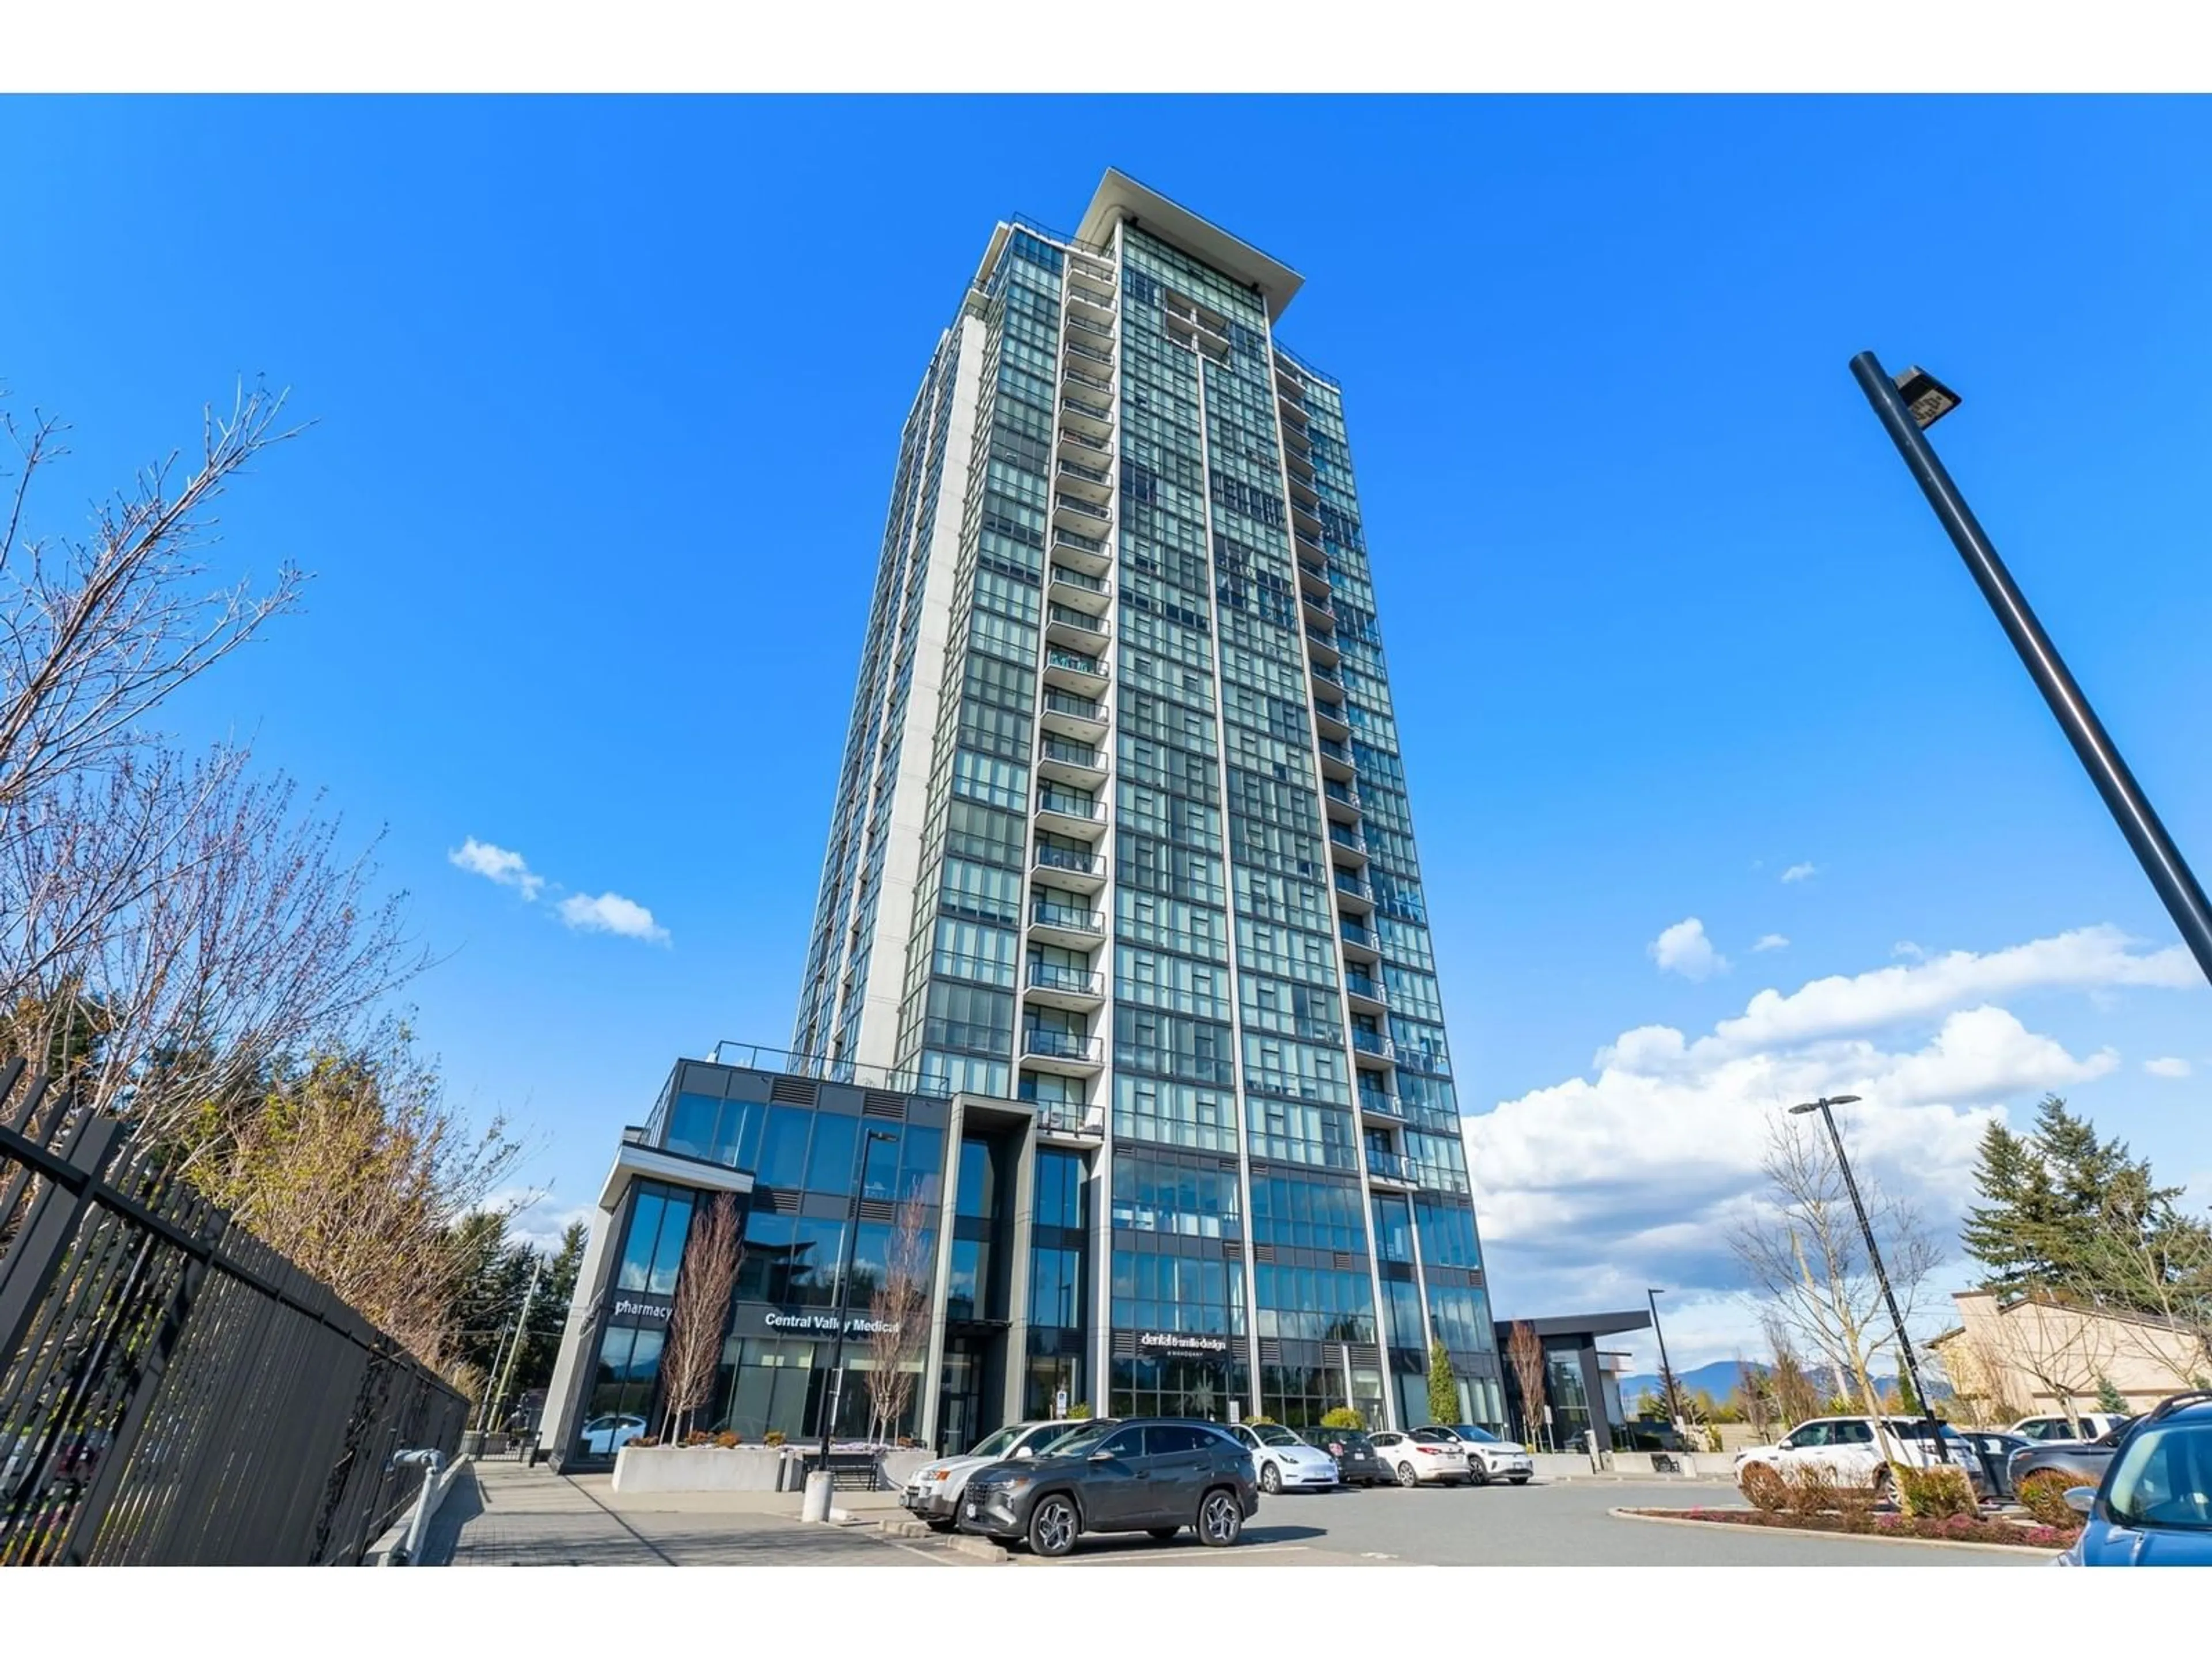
point(1150, 1475)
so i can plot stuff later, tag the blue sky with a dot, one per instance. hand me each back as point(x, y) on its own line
point(608, 394)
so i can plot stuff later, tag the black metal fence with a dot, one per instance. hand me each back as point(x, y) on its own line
point(173, 1392)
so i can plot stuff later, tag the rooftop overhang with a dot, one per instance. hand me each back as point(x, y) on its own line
point(1119, 197)
point(1588, 1325)
point(634, 1161)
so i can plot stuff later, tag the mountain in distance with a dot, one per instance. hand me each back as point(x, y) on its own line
point(1720, 1376)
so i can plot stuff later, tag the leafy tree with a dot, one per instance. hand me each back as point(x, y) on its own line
point(1444, 1386)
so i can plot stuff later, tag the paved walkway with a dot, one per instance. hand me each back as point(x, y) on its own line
point(509, 1516)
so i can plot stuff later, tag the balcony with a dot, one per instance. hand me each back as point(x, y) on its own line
point(1085, 480)
point(1065, 625)
point(1328, 717)
point(1082, 325)
point(1305, 518)
point(1065, 813)
point(1328, 675)
point(1054, 985)
point(1374, 1103)
point(1083, 718)
point(1323, 648)
point(1320, 609)
point(1304, 495)
point(1084, 412)
point(1065, 761)
point(1090, 553)
point(1077, 346)
point(1086, 518)
point(1352, 892)
point(1064, 1053)
point(1067, 588)
point(1298, 467)
point(1432, 1061)
point(1364, 991)
point(1313, 573)
point(1062, 1120)
point(1359, 941)
point(1084, 871)
point(1341, 801)
point(1055, 923)
point(1074, 671)
point(1294, 415)
point(1295, 443)
point(1336, 760)
point(1394, 1167)
point(1373, 1045)
point(1310, 545)
point(1082, 443)
point(1090, 304)
point(1091, 386)
point(1094, 285)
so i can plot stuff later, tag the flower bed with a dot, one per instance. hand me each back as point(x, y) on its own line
point(1948, 1530)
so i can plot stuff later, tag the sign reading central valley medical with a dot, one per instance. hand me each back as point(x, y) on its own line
point(808, 1322)
point(1195, 1343)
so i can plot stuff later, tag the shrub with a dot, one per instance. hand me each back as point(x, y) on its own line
point(647, 1440)
point(699, 1437)
point(727, 1439)
point(2043, 1495)
point(1763, 1489)
point(1257, 1421)
point(1935, 1494)
point(1343, 1417)
point(773, 1437)
point(1077, 1413)
point(1811, 1490)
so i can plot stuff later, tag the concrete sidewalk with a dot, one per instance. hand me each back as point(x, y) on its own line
point(508, 1514)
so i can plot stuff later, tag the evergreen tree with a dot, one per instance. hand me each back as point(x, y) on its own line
point(2010, 1235)
point(2110, 1399)
point(1444, 1386)
point(1908, 1402)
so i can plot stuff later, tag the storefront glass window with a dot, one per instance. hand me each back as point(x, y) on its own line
point(691, 1125)
point(830, 1164)
point(783, 1148)
point(637, 1251)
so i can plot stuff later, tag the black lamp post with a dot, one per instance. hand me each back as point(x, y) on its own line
point(1906, 406)
point(1666, 1371)
point(1881, 1275)
point(829, 1400)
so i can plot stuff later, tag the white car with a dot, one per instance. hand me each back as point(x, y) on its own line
point(1847, 1449)
point(1286, 1463)
point(605, 1436)
point(1488, 1458)
point(934, 1494)
point(1416, 1460)
point(2095, 1426)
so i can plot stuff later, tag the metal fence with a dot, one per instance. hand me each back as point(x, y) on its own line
point(174, 1391)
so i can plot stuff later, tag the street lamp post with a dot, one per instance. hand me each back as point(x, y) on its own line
point(829, 1400)
point(1916, 400)
point(1881, 1274)
point(1666, 1371)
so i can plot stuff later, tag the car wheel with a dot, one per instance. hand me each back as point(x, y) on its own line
point(1162, 1533)
point(1408, 1475)
point(1478, 1472)
point(1271, 1479)
point(1054, 1525)
point(939, 1526)
point(1220, 1518)
point(1518, 1479)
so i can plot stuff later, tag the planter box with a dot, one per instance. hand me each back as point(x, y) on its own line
point(736, 1468)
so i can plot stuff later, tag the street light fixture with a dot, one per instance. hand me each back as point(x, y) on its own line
point(1916, 400)
point(836, 1384)
point(1874, 1254)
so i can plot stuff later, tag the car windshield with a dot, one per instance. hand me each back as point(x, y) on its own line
point(2164, 1478)
point(1082, 1442)
point(1918, 1430)
point(1274, 1434)
point(1350, 1439)
point(1469, 1432)
point(996, 1445)
point(1061, 1434)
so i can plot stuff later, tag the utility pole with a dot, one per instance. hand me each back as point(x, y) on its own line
point(521, 1336)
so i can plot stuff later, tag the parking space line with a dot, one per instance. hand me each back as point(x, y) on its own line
point(1101, 1559)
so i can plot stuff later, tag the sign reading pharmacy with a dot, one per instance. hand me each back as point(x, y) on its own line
point(1183, 1342)
point(642, 1310)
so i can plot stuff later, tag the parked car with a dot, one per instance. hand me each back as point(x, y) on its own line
point(2081, 1428)
point(605, 1436)
point(1152, 1474)
point(1488, 1458)
point(1996, 1450)
point(1414, 1461)
point(934, 1494)
point(1358, 1463)
point(2154, 1506)
point(1284, 1461)
point(1847, 1449)
point(2075, 1462)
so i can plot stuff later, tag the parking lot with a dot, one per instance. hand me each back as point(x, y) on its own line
point(1554, 1524)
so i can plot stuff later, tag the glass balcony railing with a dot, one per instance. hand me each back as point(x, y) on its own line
point(1336, 750)
point(1084, 328)
point(1079, 348)
point(1079, 542)
point(1097, 474)
point(1371, 1042)
point(1323, 671)
point(1344, 836)
point(1067, 858)
point(1070, 754)
point(1355, 934)
point(1391, 1166)
point(1061, 573)
point(1068, 617)
point(1331, 711)
point(1365, 985)
point(1320, 636)
point(1375, 1101)
point(1073, 662)
point(1085, 441)
point(1072, 917)
point(1353, 885)
point(1066, 702)
point(1093, 411)
point(1058, 976)
point(1317, 568)
point(1071, 807)
point(1319, 602)
point(1340, 792)
point(1059, 1045)
point(1434, 1061)
point(1105, 388)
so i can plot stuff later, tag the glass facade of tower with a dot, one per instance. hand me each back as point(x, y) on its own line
point(1164, 898)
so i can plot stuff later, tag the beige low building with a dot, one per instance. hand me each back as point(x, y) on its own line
point(2031, 1355)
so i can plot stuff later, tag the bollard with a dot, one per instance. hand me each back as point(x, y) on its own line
point(815, 1506)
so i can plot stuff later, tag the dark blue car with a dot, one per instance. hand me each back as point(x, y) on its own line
point(2154, 1506)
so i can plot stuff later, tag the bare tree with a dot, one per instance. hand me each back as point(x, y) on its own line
point(898, 1335)
point(95, 633)
point(2156, 1287)
point(693, 1351)
point(1524, 1351)
point(2065, 1350)
point(1797, 1397)
point(1807, 1257)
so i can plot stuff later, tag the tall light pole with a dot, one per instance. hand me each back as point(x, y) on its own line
point(1666, 1371)
point(845, 1287)
point(1881, 1275)
point(1907, 406)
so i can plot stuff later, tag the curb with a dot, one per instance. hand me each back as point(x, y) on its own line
point(2035, 1550)
point(959, 1543)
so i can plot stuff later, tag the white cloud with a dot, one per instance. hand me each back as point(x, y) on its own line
point(496, 863)
point(611, 913)
point(2167, 1067)
point(1599, 1185)
point(532, 1216)
point(1800, 873)
point(1905, 949)
point(1684, 949)
point(1771, 942)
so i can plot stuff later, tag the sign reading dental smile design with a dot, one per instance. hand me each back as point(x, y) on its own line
point(1194, 1344)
